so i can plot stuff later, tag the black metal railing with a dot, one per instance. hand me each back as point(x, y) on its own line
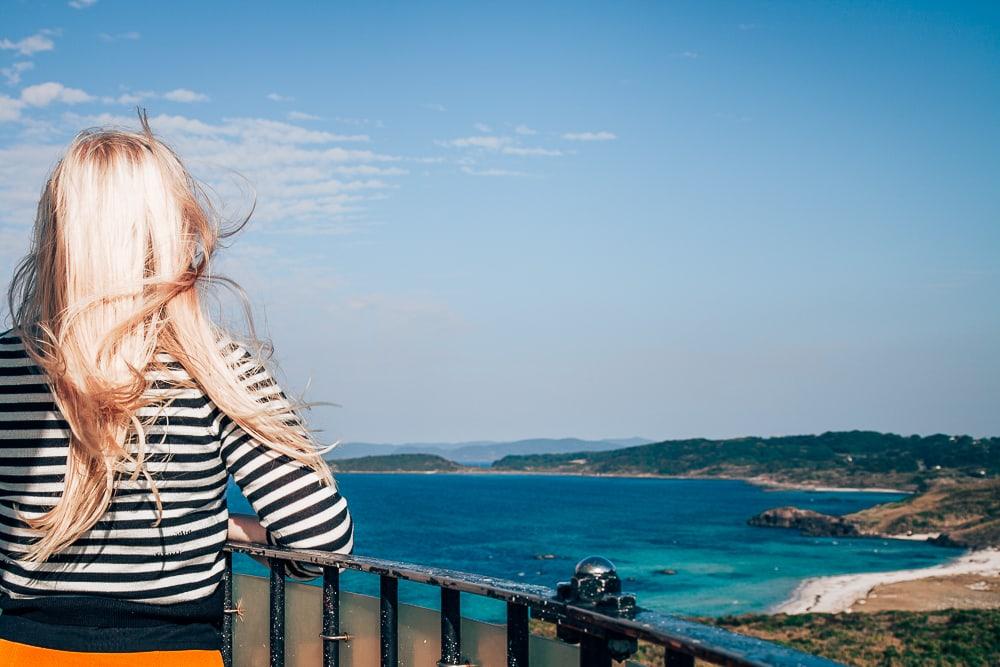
point(589, 610)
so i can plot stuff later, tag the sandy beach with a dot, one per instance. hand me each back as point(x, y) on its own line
point(841, 593)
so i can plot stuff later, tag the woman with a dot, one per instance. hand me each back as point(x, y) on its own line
point(123, 409)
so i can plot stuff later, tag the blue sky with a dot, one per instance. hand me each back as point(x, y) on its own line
point(507, 220)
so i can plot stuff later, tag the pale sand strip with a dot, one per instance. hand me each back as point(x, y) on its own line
point(839, 593)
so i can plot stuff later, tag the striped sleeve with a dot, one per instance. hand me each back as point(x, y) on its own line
point(293, 505)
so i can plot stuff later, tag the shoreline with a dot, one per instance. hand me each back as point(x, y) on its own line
point(763, 482)
point(838, 593)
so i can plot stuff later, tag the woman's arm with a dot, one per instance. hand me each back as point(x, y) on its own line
point(246, 528)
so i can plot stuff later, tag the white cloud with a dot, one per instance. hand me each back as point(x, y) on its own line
point(524, 130)
point(483, 127)
point(304, 184)
point(184, 96)
point(13, 73)
point(299, 115)
point(493, 172)
point(131, 35)
point(130, 97)
point(359, 121)
point(10, 109)
point(44, 94)
point(489, 142)
point(82, 4)
point(433, 107)
point(590, 136)
point(275, 97)
point(528, 151)
point(40, 41)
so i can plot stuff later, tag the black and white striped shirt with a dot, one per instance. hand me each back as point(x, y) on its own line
point(123, 562)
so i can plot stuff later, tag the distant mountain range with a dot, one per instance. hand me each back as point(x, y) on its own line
point(483, 451)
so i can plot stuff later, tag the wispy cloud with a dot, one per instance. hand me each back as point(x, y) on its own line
point(303, 180)
point(483, 127)
point(275, 97)
point(687, 55)
point(131, 35)
point(493, 172)
point(360, 122)
point(299, 115)
point(524, 130)
point(185, 96)
point(181, 95)
point(82, 4)
point(490, 142)
point(10, 109)
point(529, 151)
point(40, 41)
point(433, 107)
point(498, 143)
point(13, 73)
point(590, 136)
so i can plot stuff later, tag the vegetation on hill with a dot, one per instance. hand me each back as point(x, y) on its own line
point(396, 463)
point(849, 459)
point(965, 514)
point(884, 639)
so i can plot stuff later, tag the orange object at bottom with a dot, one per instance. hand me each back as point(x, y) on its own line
point(14, 654)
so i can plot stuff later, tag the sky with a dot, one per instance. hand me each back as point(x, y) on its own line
point(553, 219)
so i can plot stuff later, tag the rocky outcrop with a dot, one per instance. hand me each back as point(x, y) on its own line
point(807, 522)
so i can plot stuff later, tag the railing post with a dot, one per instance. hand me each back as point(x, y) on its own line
point(227, 606)
point(277, 610)
point(673, 658)
point(331, 617)
point(389, 620)
point(594, 652)
point(451, 629)
point(517, 635)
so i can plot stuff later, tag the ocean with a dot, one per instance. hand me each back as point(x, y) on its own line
point(501, 525)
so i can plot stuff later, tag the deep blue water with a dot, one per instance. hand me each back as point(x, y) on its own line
point(497, 524)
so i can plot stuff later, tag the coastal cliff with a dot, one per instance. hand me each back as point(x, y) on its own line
point(950, 513)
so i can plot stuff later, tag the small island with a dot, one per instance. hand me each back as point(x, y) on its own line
point(396, 463)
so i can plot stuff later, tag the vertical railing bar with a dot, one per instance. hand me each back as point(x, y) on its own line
point(389, 620)
point(594, 652)
point(517, 635)
point(331, 616)
point(227, 617)
point(277, 610)
point(673, 658)
point(451, 627)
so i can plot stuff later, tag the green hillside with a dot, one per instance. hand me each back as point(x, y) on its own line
point(396, 463)
point(851, 458)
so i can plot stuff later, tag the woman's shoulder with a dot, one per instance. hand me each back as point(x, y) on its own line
point(11, 347)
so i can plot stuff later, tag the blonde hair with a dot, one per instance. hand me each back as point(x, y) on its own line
point(122, 246)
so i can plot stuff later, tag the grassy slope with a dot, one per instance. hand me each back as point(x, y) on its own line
point(969, 513)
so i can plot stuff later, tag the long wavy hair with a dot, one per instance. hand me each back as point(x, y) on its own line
point(121, 254)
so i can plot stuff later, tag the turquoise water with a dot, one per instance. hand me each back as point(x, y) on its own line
point(497, 524)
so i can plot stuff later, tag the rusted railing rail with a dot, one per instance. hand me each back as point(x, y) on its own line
point(590, 610)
